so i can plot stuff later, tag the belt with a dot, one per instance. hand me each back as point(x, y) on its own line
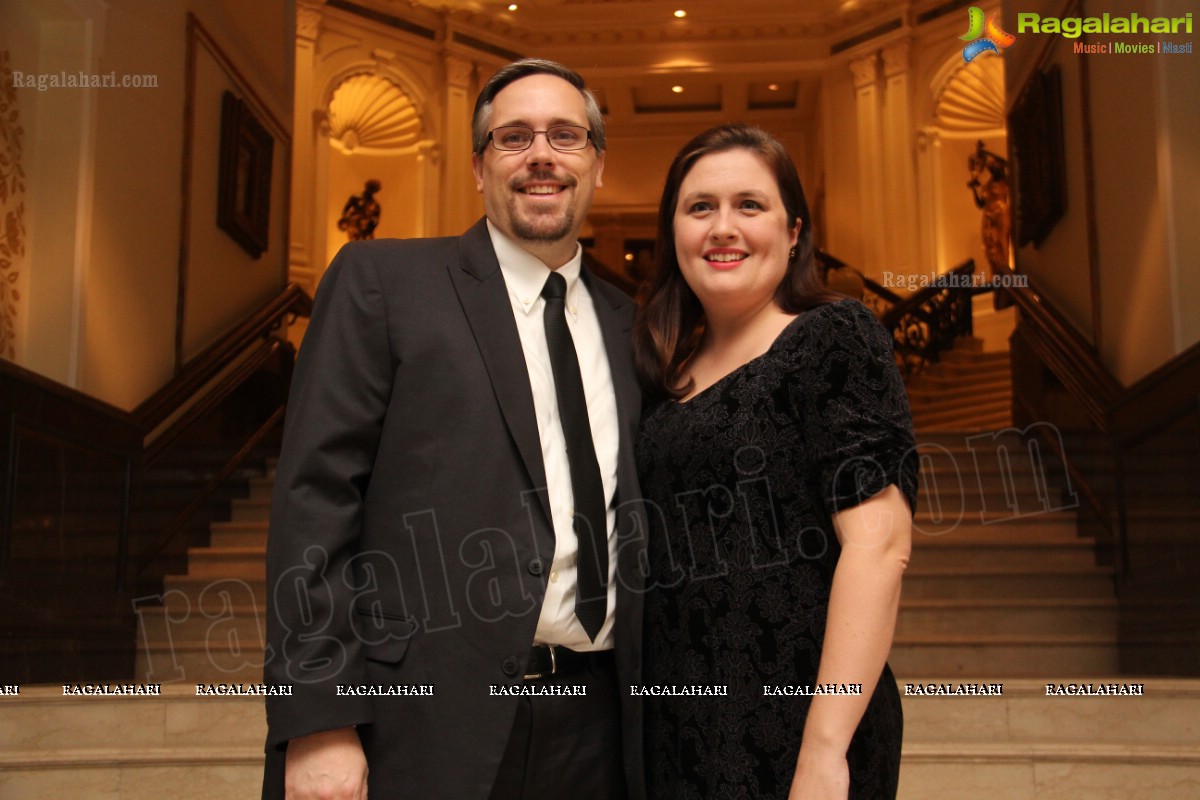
point(553, 659)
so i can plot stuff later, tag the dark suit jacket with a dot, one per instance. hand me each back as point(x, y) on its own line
point(410, 532)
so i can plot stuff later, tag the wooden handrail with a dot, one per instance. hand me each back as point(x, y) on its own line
point(1125, 417)
point(829, 261)
point(84, 419)
point(881, 291)
point(1158, 399)
point(914, 302)
point(1068, 355)
point(925, 323)
point(205, 367)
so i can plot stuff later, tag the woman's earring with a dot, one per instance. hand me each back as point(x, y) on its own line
point(792, 254)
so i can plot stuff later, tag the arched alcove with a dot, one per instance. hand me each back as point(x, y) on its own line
point(971, 97)
point(968, 106)
point(371, 115)
point(373, 130)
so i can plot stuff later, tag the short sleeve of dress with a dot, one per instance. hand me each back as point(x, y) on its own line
point(853, 407)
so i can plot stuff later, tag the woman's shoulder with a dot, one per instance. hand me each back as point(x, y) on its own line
point(841, 324)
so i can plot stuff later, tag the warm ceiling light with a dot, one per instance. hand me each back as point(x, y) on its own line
point(680, 14)
point(676, 89)
point(774, 87)
point(629, 256)
point(512, 6)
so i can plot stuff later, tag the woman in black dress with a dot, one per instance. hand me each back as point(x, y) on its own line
point(778, 468)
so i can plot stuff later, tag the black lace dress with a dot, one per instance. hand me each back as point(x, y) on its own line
point(742, 481)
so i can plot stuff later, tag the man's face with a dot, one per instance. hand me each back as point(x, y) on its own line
point(539, 197)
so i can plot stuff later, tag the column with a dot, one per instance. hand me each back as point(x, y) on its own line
point(460, 203)
point(304, 258)
point(899, 179)
point(428, 184)
point(870, 157)
point(320, 195)
point(929, 161)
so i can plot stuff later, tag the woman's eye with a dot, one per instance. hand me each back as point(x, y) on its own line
point(695, 208)
point(752, 204)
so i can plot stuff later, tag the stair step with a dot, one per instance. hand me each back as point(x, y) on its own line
point(1027, 772)
point(1167, 714)
point(228, 562)
point(42, 715)
point(1087, 582)
point(244, 591)
point(250, 509)
point(937, 500)
point(999, 617)
point(982, 466)
point(965, 355)
point(985, 656)
point(952, 366)
point(980, 404)
point(960, 402)
point(934, 553)
point(937, 376)
point(918, 394)
point(228, 629)
point(979, 420)
point(241, 533)
point(1001, 526)
point(193, 607)
point(195, 661)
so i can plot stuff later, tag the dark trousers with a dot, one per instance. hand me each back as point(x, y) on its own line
point(566, 747)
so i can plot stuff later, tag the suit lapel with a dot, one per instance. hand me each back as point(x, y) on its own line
point(484, 297)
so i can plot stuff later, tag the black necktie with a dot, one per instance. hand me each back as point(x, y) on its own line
point(590, 519)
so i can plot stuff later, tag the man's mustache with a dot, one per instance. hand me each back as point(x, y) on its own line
point(543, 177)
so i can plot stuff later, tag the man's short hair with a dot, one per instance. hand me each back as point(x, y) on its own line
point(523, 69)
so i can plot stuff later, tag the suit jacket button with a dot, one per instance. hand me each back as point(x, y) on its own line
point(510, 665)
point(536, 566)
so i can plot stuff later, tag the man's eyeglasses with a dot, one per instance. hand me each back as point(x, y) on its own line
point(514, 138)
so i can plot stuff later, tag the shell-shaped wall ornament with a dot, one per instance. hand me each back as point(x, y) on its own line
point(973, 99)
point(369, 114)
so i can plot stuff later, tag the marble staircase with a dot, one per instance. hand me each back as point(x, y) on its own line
point(1001, 589)
point(968, 389)
point(1021, 745)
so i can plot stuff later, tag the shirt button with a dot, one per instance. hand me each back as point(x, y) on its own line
point(536, 566)
point(510, 665)
point(554, 577)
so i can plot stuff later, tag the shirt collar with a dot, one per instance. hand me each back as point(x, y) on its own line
point(525, 274)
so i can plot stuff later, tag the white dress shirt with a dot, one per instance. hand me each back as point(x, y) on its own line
point(525, 275)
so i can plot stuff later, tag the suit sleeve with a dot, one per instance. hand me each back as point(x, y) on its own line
point(339, 394)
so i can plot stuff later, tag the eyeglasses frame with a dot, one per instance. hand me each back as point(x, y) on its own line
point(586, 139)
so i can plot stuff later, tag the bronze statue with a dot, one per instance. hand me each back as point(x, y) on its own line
point(989, 184)
point(360, 215)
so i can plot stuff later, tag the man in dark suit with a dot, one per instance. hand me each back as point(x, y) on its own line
point(456, 526)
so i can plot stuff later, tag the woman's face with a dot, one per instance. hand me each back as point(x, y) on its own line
point(732, 233)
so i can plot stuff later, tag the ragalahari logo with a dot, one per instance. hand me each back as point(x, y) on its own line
point(993, 39)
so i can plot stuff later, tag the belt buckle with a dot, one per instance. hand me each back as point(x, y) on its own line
point(532, 676)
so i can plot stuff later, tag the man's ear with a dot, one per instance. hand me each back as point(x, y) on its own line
point(599, 168)
point(477, 170)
